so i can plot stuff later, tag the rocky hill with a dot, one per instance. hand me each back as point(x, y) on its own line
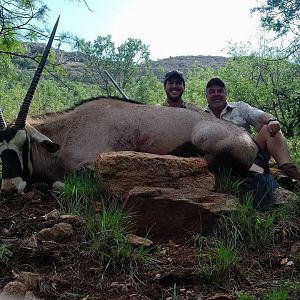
point(185, 63)
point(73, 61)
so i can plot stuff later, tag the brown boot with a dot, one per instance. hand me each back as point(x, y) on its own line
point(290, 170)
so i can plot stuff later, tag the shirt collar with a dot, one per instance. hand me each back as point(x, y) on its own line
point(229, 106)
point(183, 104)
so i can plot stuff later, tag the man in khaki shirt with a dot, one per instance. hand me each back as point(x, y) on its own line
point(269, 137)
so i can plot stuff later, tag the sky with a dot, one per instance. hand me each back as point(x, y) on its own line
point(169, 27)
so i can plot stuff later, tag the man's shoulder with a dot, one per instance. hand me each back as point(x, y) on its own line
point(239, 105)
point(234, 104)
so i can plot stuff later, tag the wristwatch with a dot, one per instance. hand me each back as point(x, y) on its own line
point(271, 120)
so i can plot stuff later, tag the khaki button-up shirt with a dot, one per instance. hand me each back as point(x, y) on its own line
point(241, 114)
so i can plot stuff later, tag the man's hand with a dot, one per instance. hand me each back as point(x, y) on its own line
point(273, 127)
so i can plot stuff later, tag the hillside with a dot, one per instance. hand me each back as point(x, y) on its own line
point(185, 63)
point(73, 61)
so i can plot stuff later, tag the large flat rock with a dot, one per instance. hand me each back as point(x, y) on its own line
point(169, 212)
point(166, 195)
point(121, 171)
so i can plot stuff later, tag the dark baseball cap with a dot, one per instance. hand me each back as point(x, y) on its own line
point(215, 81)
point(174, 73)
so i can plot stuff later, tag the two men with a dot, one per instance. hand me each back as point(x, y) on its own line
point(269, 137)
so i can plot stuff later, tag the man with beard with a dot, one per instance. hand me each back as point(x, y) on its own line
point(174, 86)
point(269, 136)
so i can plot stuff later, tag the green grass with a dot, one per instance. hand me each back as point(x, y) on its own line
point(227, 183)
point(281, 294)
point(216, 261)
point(294, 146)
point(108, 231)
point(84, 183)
point(245, 297)
point(174, 296)
point(80, 188)
point(5, 253)
point(247, 227)
point(285, 289)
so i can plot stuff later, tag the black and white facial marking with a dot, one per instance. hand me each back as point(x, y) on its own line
point(15, 153)
point(15, 157)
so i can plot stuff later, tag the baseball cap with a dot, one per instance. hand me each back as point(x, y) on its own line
point(215, 81)
point(174, 73)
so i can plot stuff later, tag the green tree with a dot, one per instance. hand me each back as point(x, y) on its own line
point(17, 24)
point(122, 62)
point(197, 78)
point(25, 20)
point(282, 17)
point(273, 85)
point(148, 90)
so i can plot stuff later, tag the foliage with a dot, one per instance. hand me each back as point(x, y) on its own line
point(80, 188)
point(24, 20)
point(282, 17)
point(247, 227)
point(50, 95)
point(197, 78)
point(217, 262)
point(148, 89)
point(5, 253)
point(294, 146)
point(120, 62)
point(108, 230)
point(281, 294)
point(18, 22)
point(227, 183)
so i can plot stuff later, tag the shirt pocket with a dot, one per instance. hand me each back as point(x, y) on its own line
point(238, 120)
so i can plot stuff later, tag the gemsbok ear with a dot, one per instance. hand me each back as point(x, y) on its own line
point(21, 119)
point(50, 146)
point(41, 139)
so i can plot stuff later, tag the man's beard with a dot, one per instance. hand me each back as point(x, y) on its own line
point(174, 98)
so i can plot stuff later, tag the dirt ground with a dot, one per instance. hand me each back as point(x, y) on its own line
point(70, 270)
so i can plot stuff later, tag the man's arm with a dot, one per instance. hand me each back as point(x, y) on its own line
point(270, 121)
point(258, 118)
point(264, 118)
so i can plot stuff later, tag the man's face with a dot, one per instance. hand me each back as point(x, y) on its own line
point(174, 88)
point(216, 97)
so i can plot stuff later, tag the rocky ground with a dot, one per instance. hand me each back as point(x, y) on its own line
point(62, 265)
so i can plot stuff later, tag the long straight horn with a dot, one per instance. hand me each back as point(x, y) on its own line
point(2, 122)
point(21, 119)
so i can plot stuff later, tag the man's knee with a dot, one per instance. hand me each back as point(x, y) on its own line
point(264, 137)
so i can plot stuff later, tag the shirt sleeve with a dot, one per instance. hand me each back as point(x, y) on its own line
point(251, 114)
